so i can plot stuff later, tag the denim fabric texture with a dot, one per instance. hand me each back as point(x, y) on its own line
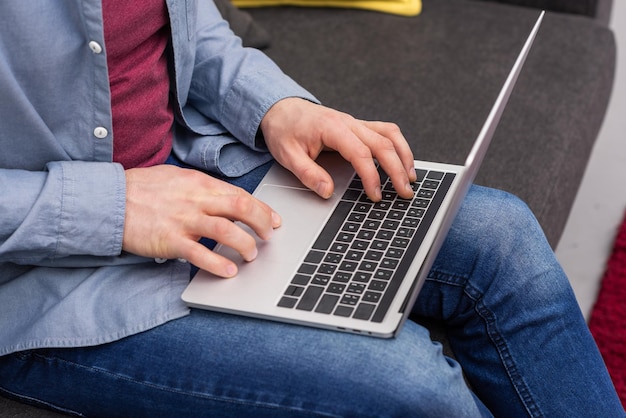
point(513, 324)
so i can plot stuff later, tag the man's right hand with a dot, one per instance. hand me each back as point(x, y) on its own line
point(168, 209)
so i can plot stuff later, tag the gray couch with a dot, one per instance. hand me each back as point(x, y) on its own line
point(437, 75)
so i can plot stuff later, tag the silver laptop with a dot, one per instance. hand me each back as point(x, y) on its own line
point(347, 263)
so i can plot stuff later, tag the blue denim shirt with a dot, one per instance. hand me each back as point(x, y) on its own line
point(64, 280)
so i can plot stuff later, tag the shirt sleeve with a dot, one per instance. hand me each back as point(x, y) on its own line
point(234, 85)
point(73, 208)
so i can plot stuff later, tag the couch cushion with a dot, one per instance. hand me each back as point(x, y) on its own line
point(438, 74)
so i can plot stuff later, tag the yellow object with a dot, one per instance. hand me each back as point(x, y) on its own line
point(398, 7)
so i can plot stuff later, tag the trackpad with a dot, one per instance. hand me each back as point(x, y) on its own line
point(303, 215)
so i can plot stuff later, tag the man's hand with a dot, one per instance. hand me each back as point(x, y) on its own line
point(296, 131)
point(168, 209)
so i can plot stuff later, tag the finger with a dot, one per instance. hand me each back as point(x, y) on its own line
point(205, 259)
point(359, 146)
point(385, 151)
point(242, 206)
point(393, 133)
point(311, 174)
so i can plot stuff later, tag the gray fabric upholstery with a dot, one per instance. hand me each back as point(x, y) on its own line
point(598, 9)
point(437, 75)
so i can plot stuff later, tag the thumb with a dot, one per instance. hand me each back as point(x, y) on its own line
point(312, 175)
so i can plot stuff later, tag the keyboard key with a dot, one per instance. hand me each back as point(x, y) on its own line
point(357, 217)
point(364, 311)
point(411, 222)
point(390, 224)
point(307, 268)
point(379, 245)
point(363, 207)
point(336, 288)
point(356, 184)
point(377, 285)
point(430, 184)
point(351, 300)
point(366, 235)
point(389, 263)
point(287, 302)
point(327, 268)
point(294, 291)
point(339, 247)
point(376, 215)
point(327, 304)
point(374, 255)
point(416, 212)
point(353, 255)
point(360, 245)
point(342, 277)
point(332, 226)
point(348, 266)
point(372, 297)
point(351, 227)
point(333, 258)
point(400, 242)
point(301, 279)
point(314, 257)
point(372, 224)
point(345, 237)
point(385, 234)
point(426, 193)
point(436, 175)
point(320, 279)
point(310, 298)
point(351, 195)
point(356, 288)
point(345, 311)
point(401, 204)
point(394, 253)
point(383, 274)
point(367, 266)
point(362, 277)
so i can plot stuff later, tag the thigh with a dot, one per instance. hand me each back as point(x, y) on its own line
point(511, 316)
point(211, 364)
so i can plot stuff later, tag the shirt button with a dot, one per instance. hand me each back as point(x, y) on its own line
point(100, 132)
point(95, 47)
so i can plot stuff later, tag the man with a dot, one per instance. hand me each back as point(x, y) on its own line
point(97, 229)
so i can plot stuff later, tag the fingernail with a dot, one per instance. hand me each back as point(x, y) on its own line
point(413, 174)
point(378, 194)
point(322, 188)
point(231, 270)
point(253, 254)
point(276, 220)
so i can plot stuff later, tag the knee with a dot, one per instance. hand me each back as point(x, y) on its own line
point(496, 214)
point(409, 376)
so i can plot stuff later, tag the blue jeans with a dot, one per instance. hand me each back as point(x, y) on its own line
point(511, 317)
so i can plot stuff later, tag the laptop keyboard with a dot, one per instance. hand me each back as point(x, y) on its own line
point(360, 258)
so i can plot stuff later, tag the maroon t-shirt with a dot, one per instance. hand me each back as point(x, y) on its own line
point(136, 34)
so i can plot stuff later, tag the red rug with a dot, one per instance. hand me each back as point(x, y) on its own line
point(608, 317)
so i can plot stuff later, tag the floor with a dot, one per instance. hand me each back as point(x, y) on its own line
point(588, 237)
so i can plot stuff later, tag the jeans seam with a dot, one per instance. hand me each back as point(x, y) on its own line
point(29, 400)
point(501, 346)
point(198, 395)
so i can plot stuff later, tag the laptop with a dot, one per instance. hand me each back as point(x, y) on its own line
point(347, 263)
